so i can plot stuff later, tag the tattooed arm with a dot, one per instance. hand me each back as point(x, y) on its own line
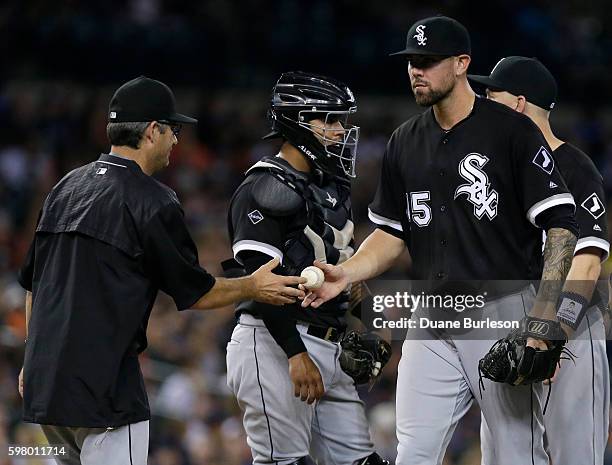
point(558, 255)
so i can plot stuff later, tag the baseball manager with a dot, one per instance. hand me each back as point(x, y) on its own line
point(109, 236)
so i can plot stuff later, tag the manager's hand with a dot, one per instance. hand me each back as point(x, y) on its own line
point(275, 289)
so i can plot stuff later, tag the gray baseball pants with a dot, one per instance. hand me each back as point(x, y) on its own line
point(124, 445)
point(280, 427)
point(577, 416)
point(438, 380)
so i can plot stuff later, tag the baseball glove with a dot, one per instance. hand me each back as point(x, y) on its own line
point(362, 358)
point(511, 361)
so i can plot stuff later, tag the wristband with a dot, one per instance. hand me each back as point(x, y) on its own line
point(571, 309)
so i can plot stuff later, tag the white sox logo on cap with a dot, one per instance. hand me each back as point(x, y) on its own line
point(420, 35)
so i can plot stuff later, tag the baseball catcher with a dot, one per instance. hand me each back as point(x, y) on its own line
point(284, 369)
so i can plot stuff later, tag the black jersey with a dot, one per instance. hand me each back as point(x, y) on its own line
point(108, 238)
point(586, 185)
point(467, 201)
point(284, 213)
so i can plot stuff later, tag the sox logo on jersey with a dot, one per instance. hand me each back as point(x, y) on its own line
point(477, 189)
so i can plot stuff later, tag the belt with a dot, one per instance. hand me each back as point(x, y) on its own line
point(327, 333)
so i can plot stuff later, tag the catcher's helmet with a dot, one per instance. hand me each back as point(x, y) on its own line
point(297, 99)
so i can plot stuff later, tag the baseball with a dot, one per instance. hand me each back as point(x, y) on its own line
point(314, 277)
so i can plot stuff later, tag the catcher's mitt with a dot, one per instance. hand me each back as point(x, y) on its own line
point(511, 361)
point(363, 358)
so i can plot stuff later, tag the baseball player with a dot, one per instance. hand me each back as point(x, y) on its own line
point(286, 369)
point(468, 186)
point(109, 236)
point(577, 420)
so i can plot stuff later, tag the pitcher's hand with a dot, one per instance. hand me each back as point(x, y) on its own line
point(336, 280)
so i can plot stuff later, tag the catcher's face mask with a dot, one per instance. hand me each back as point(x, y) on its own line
point(338, 137)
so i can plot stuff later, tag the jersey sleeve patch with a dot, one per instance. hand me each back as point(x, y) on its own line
point(544, 160)
point(255, 216)
point(594, 206)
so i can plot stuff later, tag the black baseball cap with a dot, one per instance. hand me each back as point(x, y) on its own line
point(144, 99)
point(437, 35)
point(522, 76)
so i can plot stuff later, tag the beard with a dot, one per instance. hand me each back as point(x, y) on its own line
point(432, 96)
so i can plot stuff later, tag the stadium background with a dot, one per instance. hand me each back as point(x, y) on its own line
point(61, 62)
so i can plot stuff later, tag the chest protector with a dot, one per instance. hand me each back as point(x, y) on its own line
point(318, 213)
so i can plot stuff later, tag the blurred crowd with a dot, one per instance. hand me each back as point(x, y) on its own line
point(53, 108)
point(247, 43)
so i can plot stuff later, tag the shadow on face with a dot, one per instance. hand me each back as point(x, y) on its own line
point(432, 77)
point(329, 132)
point(503, 97)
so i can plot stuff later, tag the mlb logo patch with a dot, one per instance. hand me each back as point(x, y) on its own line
point(113, 115)
point(255, 216)
point(544, 160)
point(594, 206)
point(101, 171)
